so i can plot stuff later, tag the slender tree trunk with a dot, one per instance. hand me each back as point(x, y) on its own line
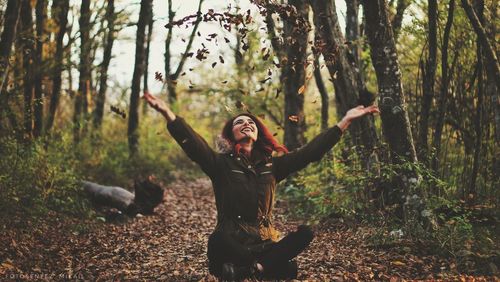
point(398, 18)
point(146, 68)
point(445, 81)
point(428, 82)
point(171, 77)
point(347, 90)
point(81, 100)
point(322, 91)
point(27, 38)
point(60, 15)
point(395, 123)
point(103, 80)
point(8, 35)
point(133, 121)
point(352, 35)
point(295, 31)
point(41, 18)
point(471, 197)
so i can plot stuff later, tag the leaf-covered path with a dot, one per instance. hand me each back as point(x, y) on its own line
point(171, 245)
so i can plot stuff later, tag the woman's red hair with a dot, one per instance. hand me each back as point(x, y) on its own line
point(265, 139)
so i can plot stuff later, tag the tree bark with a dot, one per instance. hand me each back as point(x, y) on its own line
point(347, 89)
point(352, 35)
point(322, 91)
point(428, 82)
point(106, 59)
point(295, 32)
point(445, 81)
point(395, 123)
point(81, 97)
point(133, 121)
point(27, 37)
point(398, 18)
point(492, 66)
point(8, 35)
point(39, 68)
point(146, 60)
point(171, 77)
point(60, 16)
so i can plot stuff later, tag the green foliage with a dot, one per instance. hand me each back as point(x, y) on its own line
point(35, 178)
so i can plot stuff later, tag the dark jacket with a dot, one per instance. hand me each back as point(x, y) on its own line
point(245, 189)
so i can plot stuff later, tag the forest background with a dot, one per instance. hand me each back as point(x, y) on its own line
point(72, 73)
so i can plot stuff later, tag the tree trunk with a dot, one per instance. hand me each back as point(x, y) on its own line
point(492, 66)
point(295, 32)
point(28, 40)
point(395, 123)
point(445, 81)
point(103, 80)
point(322, 91)
point(81, 97)
point(398, 18)
point(347, 90)
point(7, 38)
point(352, 36)
point(428, 82)
point(39, 70)
point(60, 16)
point(146, 60)
point(133, 120)
point(171, 77)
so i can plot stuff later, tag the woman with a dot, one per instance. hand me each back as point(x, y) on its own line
point(244, 179)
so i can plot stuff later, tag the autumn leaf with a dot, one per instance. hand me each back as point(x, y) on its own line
point(221, 59)
point(302, 89)
point(293, 118)
point(213, 64)
point(227, 40)
point(224, 82)
point(158, 76)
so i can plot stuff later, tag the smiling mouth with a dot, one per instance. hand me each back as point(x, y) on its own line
point(247, 129)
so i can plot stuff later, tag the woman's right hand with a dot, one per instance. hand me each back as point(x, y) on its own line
point(159, 105)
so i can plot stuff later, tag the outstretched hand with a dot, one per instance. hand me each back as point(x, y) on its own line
point(159, 105)
point(355, 113)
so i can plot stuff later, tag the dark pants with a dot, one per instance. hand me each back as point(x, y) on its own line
point(275, 258)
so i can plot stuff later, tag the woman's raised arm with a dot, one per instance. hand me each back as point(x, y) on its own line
point(313, 151)
point(195, 146)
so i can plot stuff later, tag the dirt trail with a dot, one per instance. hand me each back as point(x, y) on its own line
point(171, 245)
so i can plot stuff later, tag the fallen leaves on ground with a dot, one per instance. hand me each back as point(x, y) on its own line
point(171, 245)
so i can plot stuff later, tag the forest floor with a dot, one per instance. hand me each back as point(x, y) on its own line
point(171, 245)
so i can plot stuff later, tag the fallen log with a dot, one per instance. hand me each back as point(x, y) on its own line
point(147, 196)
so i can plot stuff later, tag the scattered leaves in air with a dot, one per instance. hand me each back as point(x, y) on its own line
point(201, 54)
point(293, 118)
point(221, 59)
point(227, 40)
point(302, 89)
point(214, 64)
point(118, 111)
point(224, 82)
point(265, 80)
point(183, 73)
point(240, 105)
point(159, 76)
point(278, 91)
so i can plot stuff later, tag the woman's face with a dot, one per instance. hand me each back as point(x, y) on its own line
point(244, 127)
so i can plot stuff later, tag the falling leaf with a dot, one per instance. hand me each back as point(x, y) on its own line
point(190, 54)
point(183, 73)
point(278, 91)
point(302, 89)
point(265, 80)
point(221, 59)
point(293, 118)
point(224, 82)
point(213, 64)
point(227, 40)
point(118, 111)
point(240, 105)
point(158, 76)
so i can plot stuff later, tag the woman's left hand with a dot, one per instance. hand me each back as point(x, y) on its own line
point(355, 113)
